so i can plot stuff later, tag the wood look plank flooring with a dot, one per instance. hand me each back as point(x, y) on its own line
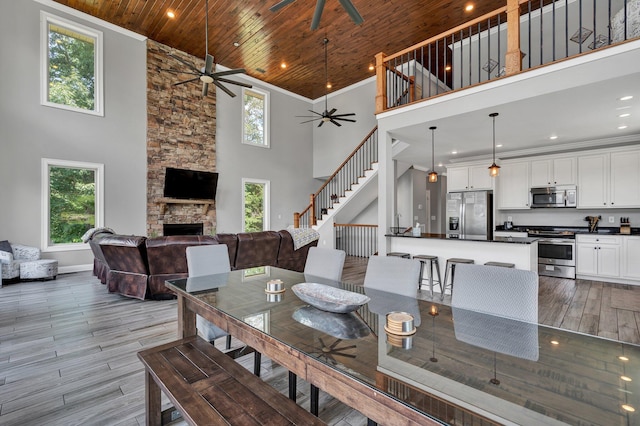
point(68, 347)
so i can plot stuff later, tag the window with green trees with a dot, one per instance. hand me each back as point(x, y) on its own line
point(72, 65)
point(255, 205)
point(73, 200)
point(255, 117)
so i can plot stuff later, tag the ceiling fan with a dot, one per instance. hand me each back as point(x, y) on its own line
point(346, 4)
point(327, 115)
point(206, 74)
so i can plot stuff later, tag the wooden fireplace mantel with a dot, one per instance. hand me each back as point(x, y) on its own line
point(205, 203)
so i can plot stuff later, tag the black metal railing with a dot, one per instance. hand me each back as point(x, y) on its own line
point(342, 180)
point(542, 32)
point(357, 239)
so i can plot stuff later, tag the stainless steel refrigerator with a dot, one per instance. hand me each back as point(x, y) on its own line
point(470, 215)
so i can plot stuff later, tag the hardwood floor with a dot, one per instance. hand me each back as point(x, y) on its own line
point(68, 348)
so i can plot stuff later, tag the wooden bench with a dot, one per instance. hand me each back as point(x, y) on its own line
point(209, 388)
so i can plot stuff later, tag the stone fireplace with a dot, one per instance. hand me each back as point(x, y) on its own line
point(181, 128)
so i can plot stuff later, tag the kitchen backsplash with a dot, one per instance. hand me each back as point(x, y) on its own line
point(566, 217)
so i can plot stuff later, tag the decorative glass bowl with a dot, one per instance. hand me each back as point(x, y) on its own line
point(328, 298)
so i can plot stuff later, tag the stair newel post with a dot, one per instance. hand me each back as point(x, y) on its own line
point(313, 210)
point(381, 84)
point(513, 57)
point(296, 220)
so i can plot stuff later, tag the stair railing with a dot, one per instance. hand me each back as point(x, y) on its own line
point(347, 174)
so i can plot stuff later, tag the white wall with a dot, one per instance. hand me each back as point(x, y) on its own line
point(287, 164)
point(29, 131)
point(332, 144)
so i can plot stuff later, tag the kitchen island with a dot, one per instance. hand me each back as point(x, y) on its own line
point(522, 252)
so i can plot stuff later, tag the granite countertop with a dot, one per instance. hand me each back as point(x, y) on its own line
point(602, 230)
point(511, 240)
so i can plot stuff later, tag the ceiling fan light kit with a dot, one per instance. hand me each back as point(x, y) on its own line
point(206, 74)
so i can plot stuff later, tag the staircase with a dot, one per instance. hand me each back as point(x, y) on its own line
point(349, 178)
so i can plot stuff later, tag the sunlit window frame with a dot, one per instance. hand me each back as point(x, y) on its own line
point(266, 223)
point(47, 163)
point(267, 142)
point(46, 19)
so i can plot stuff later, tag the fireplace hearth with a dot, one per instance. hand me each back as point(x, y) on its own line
point(182, 229)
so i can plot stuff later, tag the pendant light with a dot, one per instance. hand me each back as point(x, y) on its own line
point(433, 176)
point(494, 169)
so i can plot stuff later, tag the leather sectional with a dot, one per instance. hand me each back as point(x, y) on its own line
point(137, 266)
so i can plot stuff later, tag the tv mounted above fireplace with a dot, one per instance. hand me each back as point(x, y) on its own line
point(190, 184)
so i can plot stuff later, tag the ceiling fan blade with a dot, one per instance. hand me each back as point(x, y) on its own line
point(309, 121)
point(332, 111)
point(317, 14)
point(228, 72)
point(335, 122)
point(227, 91)
point(205, 89)
point(208, 67)
point(343, 119)
point(317, 113)
point(186, 63)
point(237, 83)
point(179, 72)
point(352, 11)
point(351, 114)
point(276, 7)
point(186, 81)
point(321, 123)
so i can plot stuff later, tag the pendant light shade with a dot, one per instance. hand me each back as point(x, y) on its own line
point(494, 169)
point(433, 176)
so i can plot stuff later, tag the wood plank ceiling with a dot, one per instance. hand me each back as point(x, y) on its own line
point(266, 39)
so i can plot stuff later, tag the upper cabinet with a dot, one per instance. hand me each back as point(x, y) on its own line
point(513, 185)
point(609, 180)
point(472, 178)
point(557, 171)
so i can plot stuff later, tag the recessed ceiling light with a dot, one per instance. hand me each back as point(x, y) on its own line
point(454, 152)
point(283, 65)
point(371, 67)
point(626, 98)
point(499, 146)
point(469, 7)
point(624, 126)
point(447, 68)
point(328, 85)
point(628, 408)
point(626, 114)
point(554, 137)
point(236, 44)
point(171, 14)
point(623, 358)
point(555, 342)
point(440, 164)
point(625, 378)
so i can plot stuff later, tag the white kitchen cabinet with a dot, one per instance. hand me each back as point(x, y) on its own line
point(556, 171)
point(593, 181)
point(513, 186)
point(631, 257)
point(472, 178)
point(625, 179)
point(598, 255)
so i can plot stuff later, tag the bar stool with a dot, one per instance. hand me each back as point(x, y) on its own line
point(433, 260)
point(399, 254)
point(500, 264)
point(451, 266)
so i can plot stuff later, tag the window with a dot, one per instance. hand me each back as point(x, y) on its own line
point(71, 65)
point(72, 202)
point(255, 117)
point(255, 205)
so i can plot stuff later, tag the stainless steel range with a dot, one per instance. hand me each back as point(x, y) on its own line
point(556, 253)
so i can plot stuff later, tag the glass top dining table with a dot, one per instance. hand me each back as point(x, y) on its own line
point(458, 367)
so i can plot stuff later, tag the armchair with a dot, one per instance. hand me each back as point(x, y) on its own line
point(11, 260)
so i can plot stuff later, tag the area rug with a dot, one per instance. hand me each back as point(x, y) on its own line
point(625, 299)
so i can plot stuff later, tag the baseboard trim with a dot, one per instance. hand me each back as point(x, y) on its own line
point(75, 268)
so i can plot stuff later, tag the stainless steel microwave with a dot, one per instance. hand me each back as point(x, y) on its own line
point(554, 196)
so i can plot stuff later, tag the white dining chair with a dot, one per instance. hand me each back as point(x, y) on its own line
point(325, 263)
point(393, 274)
point(208, 260)
point(496, 308)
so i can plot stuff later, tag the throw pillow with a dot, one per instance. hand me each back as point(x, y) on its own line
point(5, 246)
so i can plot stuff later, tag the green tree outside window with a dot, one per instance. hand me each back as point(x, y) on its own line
point(254, 207)
point(254, 118)
point(72, 198)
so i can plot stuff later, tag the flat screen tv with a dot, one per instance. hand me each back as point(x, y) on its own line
point(190, 184)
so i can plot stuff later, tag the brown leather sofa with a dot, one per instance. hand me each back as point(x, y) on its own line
point(138, 266)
